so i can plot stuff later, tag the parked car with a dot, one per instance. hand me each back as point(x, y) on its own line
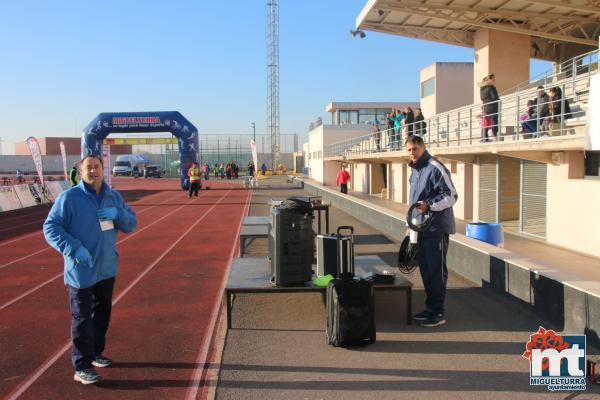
point(152, 171)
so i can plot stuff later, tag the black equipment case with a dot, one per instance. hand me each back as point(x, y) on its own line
point(350, 312)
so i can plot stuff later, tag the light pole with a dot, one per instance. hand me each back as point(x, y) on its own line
point(254, 131)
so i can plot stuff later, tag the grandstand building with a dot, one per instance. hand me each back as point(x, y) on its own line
point(348, 120)
point(528, 181)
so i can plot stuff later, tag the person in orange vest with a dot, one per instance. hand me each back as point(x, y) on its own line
point(194, 175)
point(342, 179)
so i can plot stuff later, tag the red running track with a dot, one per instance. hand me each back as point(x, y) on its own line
point(166, 301)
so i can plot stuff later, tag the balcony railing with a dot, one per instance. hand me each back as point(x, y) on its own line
point(514, 121)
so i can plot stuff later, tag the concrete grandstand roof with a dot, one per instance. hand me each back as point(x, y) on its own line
point(456, 21)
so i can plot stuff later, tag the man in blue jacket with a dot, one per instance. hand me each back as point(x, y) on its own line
point(432, 188)
point(82, 225)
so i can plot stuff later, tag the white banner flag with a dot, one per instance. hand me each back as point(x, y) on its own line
point(34, 148)
point(64, 159)
point(254, 156)
point(106, 162)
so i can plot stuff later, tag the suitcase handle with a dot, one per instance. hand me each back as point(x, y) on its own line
point(345, 227)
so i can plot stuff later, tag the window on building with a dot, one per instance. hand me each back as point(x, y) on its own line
point(381, 114)
point(366, 115)
point(428, 87)
point(592, 163)
point(353, 117)
point(344, 120)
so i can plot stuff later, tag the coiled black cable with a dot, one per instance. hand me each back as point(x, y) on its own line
point(408, 256)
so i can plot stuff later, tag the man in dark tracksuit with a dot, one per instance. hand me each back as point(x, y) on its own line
point(431, 186)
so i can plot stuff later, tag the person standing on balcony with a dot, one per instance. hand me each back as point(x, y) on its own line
point(408, 121)
point(420, 123)
point(390, 128)
point(376, 133)
point(342, 179)
point(490, 99)
point(396, 118)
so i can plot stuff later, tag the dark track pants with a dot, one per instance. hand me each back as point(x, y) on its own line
point(90, 315)
point(194, 187)
point(434, 272)
point(344, 188)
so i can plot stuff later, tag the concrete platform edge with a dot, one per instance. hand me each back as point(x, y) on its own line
point(573, 308)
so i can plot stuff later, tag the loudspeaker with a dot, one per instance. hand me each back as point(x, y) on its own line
point(290, 245)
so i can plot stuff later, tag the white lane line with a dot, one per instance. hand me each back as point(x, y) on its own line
point(48, 363)
point(40, 231)
point(204, 347)
point(49, 248)
point(137, 232)
point(3, 306)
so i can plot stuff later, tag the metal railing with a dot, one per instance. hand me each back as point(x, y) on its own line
point(515, 120)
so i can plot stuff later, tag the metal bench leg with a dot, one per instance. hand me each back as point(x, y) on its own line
point(409, 306)
point(228, 299)
point(242, 245)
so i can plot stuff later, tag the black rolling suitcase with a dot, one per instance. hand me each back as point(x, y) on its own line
point(350, 312)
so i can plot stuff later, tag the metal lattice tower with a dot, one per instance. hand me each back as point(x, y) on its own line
point(273, 80)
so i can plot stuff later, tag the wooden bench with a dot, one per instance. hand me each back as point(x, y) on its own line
point(253, 275)
point(252, 232)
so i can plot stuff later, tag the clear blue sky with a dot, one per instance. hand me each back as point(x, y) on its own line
point(63, 62)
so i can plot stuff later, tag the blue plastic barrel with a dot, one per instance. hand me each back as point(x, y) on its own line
point(489, 232)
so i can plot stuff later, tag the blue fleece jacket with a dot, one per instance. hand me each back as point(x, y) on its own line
point(72, 222)
point(430, 181)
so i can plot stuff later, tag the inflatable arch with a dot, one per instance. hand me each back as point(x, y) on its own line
point(135, 122)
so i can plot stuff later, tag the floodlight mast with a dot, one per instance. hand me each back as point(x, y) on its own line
point(273, 81)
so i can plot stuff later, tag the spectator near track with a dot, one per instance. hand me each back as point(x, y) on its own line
point(82, 225)
point(194, 175)
point(73, 177)
point(342, 179)
point(432, 188)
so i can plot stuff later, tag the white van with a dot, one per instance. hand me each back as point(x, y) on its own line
point(124, 165)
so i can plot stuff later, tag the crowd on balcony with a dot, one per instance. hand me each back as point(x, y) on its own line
point(399, 123)
point(543, 115)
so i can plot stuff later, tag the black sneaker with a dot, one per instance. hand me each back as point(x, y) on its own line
point(102, 362)
point(87, 376)
point(423, 315)
point(434, 320)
